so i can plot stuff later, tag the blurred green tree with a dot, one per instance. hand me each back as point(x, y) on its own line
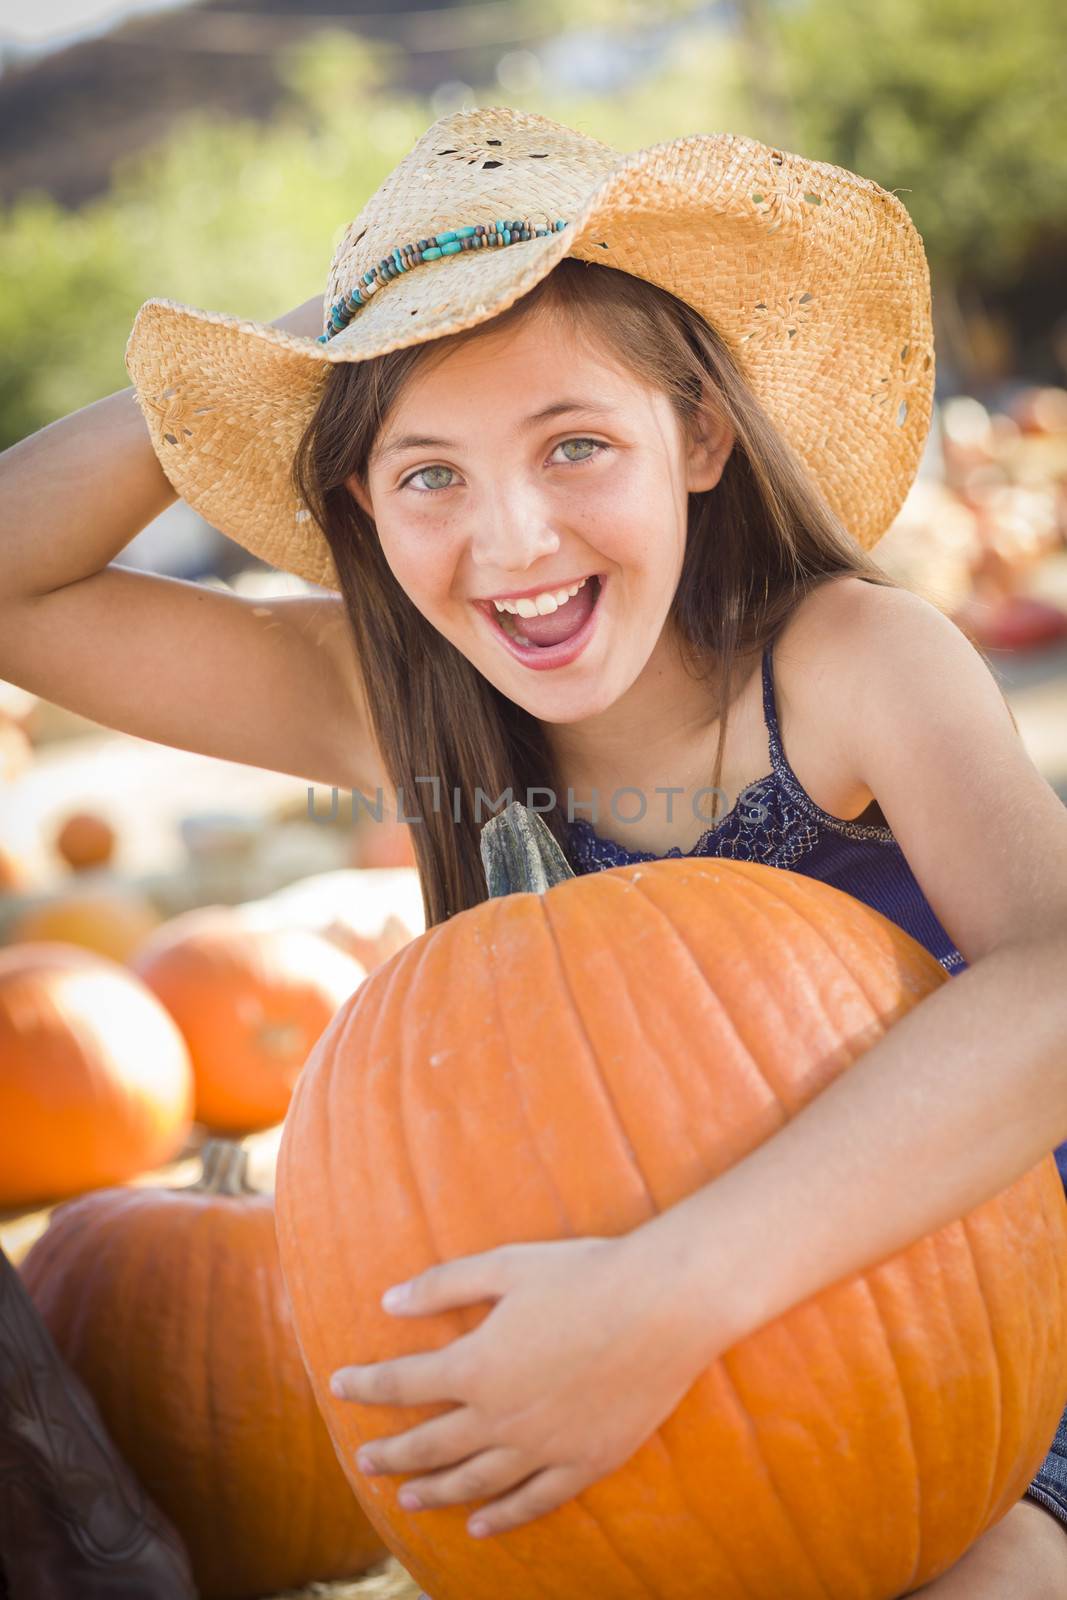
point(956, 104)
point(959, 105)
point(225, 214)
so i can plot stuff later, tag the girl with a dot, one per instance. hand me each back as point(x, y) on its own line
point(597, 486)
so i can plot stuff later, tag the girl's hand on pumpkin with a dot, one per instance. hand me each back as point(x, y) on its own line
point(580, 1360)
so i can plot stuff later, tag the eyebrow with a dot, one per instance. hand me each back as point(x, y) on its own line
point(418, 441)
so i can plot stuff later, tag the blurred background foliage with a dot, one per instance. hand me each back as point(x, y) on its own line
point(958, 105)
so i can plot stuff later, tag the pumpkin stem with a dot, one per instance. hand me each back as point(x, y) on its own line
point(520, 854)
point(224, 1169)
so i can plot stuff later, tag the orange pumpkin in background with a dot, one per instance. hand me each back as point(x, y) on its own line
point(573, 1058)
point(250, 1002)
point(110, 919)
point(169, 1304)
point(95, 1080)
point(85, 840)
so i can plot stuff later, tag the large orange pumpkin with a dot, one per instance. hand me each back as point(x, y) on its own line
point(573, 1062)
point(250, 1002)
point(95, 1080)
point(170, 1306)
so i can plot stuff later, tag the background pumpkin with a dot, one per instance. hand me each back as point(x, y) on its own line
point(573, 1062)
point(95, 1079)
point(85, 840)
point(112, 919)
point(170, 1306)
point(250, 1002)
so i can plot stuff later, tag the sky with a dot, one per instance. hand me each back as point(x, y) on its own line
point(29, 25)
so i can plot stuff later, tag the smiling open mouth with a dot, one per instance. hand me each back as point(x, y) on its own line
point(557, 627)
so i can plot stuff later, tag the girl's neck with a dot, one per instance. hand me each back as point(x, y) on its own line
point(661, 735)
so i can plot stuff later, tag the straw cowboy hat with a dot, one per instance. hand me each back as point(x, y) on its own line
point(816, 279)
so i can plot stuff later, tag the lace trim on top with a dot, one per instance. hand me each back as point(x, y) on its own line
point(785, 826)
point(791, 783)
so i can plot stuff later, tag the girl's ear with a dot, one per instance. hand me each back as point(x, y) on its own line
point(710, 444)
point(357, 489)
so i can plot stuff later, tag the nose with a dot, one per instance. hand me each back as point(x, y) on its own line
point(511, 532)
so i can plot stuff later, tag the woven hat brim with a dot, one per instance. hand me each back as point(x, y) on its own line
point(816, 279)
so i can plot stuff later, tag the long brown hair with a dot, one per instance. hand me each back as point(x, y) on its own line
point(432, 711)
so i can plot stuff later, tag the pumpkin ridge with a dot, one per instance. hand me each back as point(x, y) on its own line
point(903, 1386)
point(206, 1364)
point(1011, 1482)
point(1058, 1258)
point(599, 1071)
point(140, 1245)
point(713, 997)
point(857, 1285)
point(814, 1306)
point(403, 1091)
point(996, 1477)
point(267, 1331)
point(818, 928)
point(601, 1075)
point(291, 1259)
point(544, 923)
point(746, 1040)
point(874, 1028)
point(625, 1564)
point(902, 945)
point(748, 1422)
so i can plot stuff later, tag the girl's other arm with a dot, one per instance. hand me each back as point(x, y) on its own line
point(272, 683)
point(968, 1090)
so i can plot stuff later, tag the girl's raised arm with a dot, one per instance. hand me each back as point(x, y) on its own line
point(272, 683)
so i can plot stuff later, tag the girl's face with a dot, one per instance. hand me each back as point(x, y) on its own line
point(523, 462)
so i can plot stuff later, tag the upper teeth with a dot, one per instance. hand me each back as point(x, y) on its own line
point(539, 605)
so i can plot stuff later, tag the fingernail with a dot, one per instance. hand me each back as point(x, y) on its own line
point(396, 1296)
point(409, 1500)
point(477, 1530)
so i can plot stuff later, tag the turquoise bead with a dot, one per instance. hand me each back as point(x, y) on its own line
point(446, 238)
point(432, 253)
point(451, 249)
point(464, 233)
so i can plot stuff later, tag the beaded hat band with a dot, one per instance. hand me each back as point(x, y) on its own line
point(815, 278)
point(405, 256)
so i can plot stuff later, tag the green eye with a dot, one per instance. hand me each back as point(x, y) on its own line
point(425, 473)
point(592, 442)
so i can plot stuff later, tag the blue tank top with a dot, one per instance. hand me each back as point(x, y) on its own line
point(775, 821)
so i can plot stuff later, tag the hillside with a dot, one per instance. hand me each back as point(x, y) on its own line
point(65, 118)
